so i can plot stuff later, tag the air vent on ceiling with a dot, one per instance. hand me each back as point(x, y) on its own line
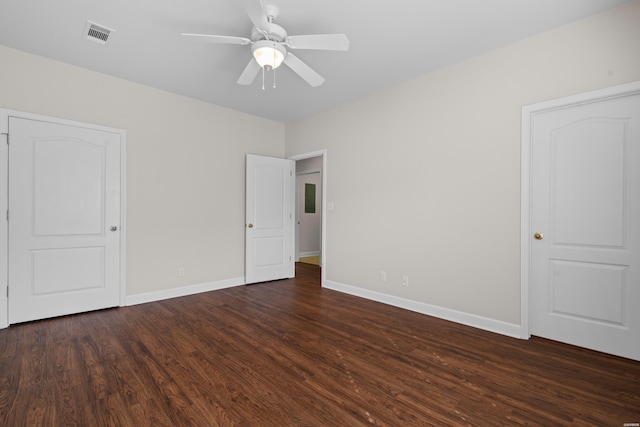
point(96, 32)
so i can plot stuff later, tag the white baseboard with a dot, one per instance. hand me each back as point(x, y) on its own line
point(492, 325)
point(183, 291)
point(306, 254)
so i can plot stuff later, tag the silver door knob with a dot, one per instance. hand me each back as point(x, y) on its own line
point(114, 228)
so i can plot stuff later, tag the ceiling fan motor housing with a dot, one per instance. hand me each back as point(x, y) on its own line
point(277, 33)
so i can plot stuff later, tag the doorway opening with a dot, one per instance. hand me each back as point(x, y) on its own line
point(310, 208)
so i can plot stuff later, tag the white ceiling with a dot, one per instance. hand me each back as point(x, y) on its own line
point(390, 42)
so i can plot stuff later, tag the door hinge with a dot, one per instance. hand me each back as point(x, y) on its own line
point(7, 292)
point(7, 215)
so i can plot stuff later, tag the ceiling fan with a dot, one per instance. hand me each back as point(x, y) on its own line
point(270, 43)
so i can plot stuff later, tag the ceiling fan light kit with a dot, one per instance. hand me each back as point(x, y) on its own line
point(269, 43)
point(268, 54)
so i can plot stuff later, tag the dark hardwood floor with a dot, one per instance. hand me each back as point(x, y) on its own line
point(290, 353)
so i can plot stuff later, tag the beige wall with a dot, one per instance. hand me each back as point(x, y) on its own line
point(313, 163)
point(185, 165)
point(425, 176)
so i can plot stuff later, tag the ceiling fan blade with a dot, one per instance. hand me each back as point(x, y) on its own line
point(210, 38)
point(319, 42)
point(249, 73)
point(256, 13)
point(303, 70)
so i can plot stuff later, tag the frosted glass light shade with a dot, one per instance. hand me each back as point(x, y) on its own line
point(268, 54)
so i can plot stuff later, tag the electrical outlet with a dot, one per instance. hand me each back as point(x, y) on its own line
point(383, 276)
point(180, 271)
point(405, 280)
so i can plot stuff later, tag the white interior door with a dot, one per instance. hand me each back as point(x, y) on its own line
point(64, 219)
point(269, 219)
point(585, 205)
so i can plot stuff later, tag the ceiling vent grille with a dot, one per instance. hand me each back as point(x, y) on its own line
point(97, 33)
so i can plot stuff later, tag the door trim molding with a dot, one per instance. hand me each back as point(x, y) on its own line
point(323, 224)
point(5, 114)
point(528, 112)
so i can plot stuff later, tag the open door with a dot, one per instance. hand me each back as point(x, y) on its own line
point(269, 232)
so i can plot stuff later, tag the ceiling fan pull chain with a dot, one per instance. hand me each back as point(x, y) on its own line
point(262, 78)
point(274, 70)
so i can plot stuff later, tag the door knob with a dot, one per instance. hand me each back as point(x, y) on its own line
point(114, 228)
point(250, 225)
point(538, 236)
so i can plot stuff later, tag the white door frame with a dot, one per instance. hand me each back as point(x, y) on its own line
point(4, 200)
point(526, 180)
point(323, 252)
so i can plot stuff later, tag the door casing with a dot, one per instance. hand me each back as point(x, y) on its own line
point(4, 198)
point(526, 237)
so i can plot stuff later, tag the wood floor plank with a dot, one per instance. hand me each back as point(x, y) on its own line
point(290, 353)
